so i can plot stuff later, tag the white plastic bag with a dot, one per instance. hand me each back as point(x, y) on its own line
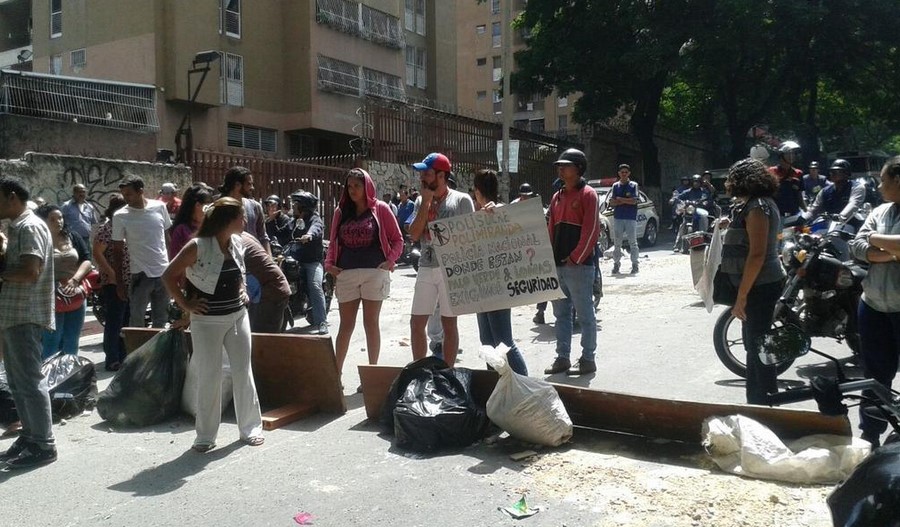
point(746, 447)
point(529, 409)
point(712, 260)
point(192, 380)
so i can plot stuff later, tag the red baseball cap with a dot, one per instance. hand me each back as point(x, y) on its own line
point(434, 160)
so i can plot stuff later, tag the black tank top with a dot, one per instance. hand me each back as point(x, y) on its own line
point(227, 298)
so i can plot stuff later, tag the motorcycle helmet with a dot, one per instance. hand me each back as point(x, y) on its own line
point(696, 178)
point(789, 151)
point(573, 156)
point(305, 200)
point(759, 153)
point(840, 164)
point(273, 199)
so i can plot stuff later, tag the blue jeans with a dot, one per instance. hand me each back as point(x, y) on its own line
point(314, 293)
point(22, 357)
point(625, 229)
point(66, 335)
point(495, 327)
point(146, 290)
point(116, 317)
point(879, 334)
point(576, 282)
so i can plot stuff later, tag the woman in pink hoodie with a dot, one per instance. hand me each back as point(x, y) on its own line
point(365, 243)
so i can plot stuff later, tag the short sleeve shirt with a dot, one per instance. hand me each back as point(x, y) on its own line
point(628, 190)
point(104, 236)
point(144, 231)
point(455, 204)
point(29, 235)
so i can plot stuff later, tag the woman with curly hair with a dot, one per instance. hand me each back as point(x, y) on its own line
point(750, 259)
point(71, 263)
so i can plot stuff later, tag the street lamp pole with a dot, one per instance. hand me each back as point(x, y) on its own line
point(184, 136)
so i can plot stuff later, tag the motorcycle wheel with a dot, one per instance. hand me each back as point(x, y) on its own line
point(730, 348)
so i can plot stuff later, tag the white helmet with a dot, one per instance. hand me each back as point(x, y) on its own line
point(760, 153)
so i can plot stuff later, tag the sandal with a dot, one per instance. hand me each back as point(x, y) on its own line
point(203, 447)
point(254, 441)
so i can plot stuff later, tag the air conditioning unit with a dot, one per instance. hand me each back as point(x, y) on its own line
point(529, 106)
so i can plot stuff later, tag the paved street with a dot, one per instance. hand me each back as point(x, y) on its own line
point(655, 340)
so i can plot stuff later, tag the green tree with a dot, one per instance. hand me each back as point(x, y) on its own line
point(618, 55)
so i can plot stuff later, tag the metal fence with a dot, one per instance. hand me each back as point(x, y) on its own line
point(100, 103)
point(323, 176)
point(403, 134)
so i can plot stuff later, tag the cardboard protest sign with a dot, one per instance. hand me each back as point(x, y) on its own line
point(496, 260)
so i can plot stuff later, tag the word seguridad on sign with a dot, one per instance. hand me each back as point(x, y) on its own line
point(496, 260)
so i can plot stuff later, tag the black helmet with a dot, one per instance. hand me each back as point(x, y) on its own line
point(696, 177)
point(305, 200)
point(685, 178)
point(840, 164)
point(573, 156)
point(273, 199)
point(525, 190)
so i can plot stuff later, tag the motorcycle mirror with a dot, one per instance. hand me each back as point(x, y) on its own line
point(783, 344)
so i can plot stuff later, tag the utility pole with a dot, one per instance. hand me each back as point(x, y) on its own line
point(507, 102)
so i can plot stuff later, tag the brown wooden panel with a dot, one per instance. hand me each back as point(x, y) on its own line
point(288, 369)
point(285, 415)
point(617, 412)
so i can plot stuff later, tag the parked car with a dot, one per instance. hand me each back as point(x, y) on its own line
point(647, 219)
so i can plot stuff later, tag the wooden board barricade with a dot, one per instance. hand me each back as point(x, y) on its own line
point(296, 375)
point(632, 414)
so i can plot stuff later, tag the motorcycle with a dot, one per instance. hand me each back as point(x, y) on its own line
point(411, 252)
point(870, 495)
point(298, 303)
point(699, 222)
point(820, 296)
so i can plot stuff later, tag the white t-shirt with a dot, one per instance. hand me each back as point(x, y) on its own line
point(144, 230)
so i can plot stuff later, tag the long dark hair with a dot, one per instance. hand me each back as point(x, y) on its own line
point(44, 212)
point(197, 193)
point(219, 215)
point(116, 202)
point(348, 208)
point(486, 183)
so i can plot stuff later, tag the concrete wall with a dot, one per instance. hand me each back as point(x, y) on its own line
point(19, 134)
point(389, 176)
point(52, 176)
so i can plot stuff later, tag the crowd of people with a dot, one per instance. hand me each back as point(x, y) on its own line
point(210, 252)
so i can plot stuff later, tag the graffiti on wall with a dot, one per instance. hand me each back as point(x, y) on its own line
point(100, 178)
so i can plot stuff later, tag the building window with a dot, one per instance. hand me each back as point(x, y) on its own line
point(497, 96)
point(481, 95)
point(415, 16)
point(55, 18)
point(232, 80)
point(252, 138)
point(56, 65)
point(495, 7)
point(381, 84)
point(416, 73)
point(495, 34)
point(338, 76)
point(562, 102)
point(78, 59)
point(481, 62)
point(362, 21)
point(230, 18)
point(562, 122)
point(536, 126)
point(498, 69)
point(480, 29)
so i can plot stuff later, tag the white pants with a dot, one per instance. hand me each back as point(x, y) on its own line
point(209, 334)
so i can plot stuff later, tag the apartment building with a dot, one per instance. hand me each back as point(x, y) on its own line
point(480, 63)
point(15, 34)
point(286, 78)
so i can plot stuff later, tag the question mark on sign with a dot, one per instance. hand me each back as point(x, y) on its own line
point(530, 252)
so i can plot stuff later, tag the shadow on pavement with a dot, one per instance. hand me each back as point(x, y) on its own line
point(172, 475)
point(177, 425)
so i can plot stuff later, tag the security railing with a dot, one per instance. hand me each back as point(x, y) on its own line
point(86, 101)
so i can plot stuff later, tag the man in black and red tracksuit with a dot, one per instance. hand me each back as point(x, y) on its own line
point(789, 196)
point(574, 227)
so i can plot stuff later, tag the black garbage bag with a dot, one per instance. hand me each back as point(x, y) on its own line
point(72, 383)
point(435, 409)
point(871, 495)
point(398, 387)
point(147, 388)
point(8, 412)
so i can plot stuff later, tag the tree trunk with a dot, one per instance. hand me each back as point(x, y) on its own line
point(643, 124)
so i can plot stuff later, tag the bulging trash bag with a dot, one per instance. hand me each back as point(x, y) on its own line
point(529, 409)
point(435, 409)
point(871, 495)
point(72, 383)
point(147, 388)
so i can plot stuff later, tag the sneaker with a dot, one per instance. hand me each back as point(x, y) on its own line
point(322, 329)
point(18, 446)
point(559, 365)
point(634, 269)
point(539, 318)
point(33, 456)
point(615, 269)
point(583, 367)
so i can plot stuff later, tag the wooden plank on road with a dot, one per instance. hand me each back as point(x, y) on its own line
point(632, 414)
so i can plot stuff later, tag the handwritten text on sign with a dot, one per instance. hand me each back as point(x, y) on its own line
point(496, 260)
